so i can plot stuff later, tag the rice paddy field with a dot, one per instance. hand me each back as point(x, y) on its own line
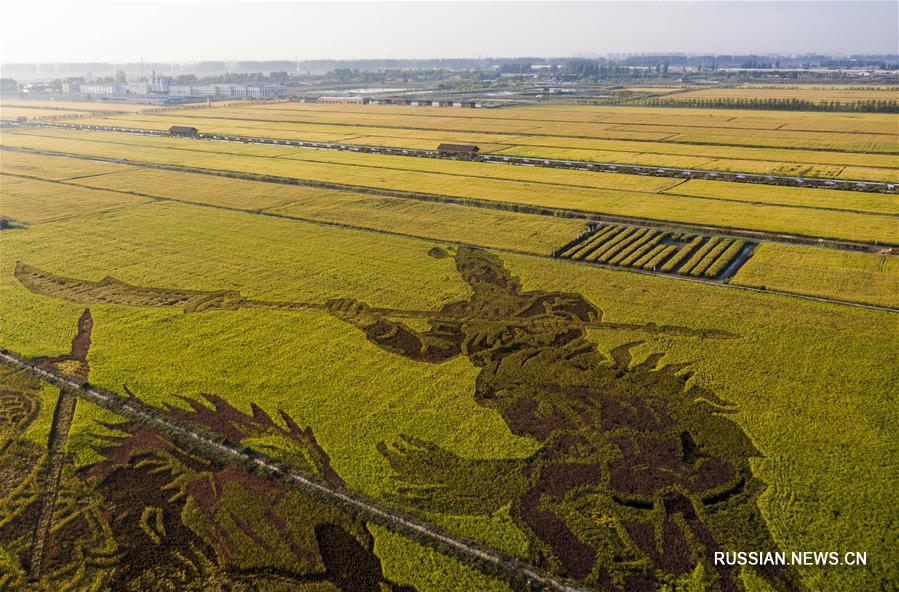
point(501, 186)
point(812, 93)
point(826, 273)
point(861, 146)
point(603, 377)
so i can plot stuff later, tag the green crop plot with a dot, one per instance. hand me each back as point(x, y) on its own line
point(656, 250)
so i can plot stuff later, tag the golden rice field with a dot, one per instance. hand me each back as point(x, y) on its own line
point(870, 174)
point(434, 335)
point(354, 394)
point(32, 201)
point(815, 94)
point(789, 196)
point(829, 86)
point(614, 115)
point(97, 186)
point(513, 231)
point(845, 275)
point(35, 201)
point(7, 112)
point(716, 146)
point(55, 169)
point(844, 145)
point(71, 106)
point(875, 136)
point(652, 89)
point(623, 195)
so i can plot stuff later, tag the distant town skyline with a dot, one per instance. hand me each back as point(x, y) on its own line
point(52, 32)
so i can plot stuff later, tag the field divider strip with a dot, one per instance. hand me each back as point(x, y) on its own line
point(485, 559)
point(95, 175)
point(708, 159)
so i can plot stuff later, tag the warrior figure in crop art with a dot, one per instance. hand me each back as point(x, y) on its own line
point(640, 478)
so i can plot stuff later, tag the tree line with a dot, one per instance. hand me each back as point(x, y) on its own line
point(870, 106)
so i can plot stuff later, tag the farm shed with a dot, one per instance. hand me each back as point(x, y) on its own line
point(183, 130)
point(459, 148)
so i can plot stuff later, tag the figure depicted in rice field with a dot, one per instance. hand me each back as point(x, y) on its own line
point(153, 515)
point(183, 521)
point(641, 475)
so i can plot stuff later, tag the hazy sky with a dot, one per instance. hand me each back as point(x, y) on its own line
point(38, 31)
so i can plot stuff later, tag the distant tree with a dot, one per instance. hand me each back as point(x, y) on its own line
point(120, 77)
point(8, 85)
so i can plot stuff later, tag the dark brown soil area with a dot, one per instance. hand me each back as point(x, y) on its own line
point(350, 566)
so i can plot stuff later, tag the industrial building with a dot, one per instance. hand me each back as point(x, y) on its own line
point(161, 86)
point(108, 89)
point(229, 91)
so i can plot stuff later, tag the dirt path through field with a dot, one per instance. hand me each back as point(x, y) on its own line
point(59, 433)
point(74, 364)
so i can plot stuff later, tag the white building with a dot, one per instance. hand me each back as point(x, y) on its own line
point(103, 88)
point(266, 91)
point(161, 86)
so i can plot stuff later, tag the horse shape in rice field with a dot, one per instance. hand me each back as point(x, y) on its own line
point(641, 475)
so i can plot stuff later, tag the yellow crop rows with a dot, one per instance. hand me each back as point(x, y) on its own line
point(845, 275)
point(33, 201)
point(251, 159)
point(813, 94)
point(766, 142)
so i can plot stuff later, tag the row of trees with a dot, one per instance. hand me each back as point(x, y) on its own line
point(778, 104)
